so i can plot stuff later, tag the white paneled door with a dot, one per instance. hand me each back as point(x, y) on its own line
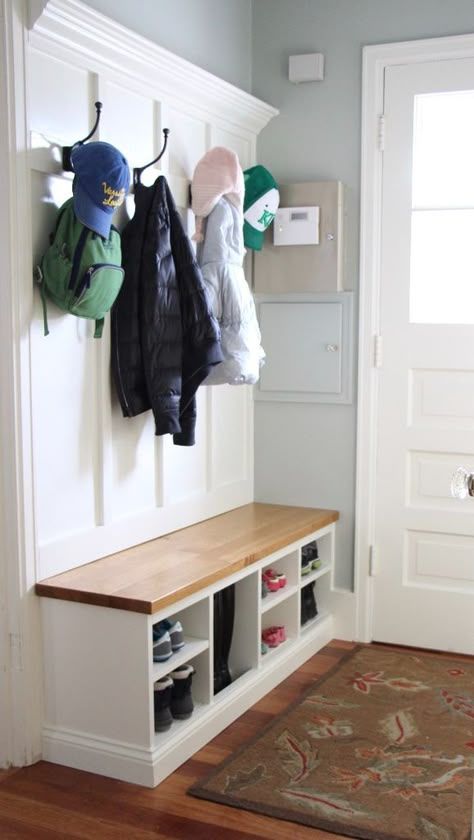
point(423, 553)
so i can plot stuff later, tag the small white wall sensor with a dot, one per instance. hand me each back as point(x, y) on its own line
point(306, 68)
point(296, 226)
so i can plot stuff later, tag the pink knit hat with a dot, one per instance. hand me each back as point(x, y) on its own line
point(217, 174)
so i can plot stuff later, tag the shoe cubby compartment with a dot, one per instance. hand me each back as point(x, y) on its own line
point(99, 703)
point(195, 623)
point(200, 691)
point(321, 589)
point(325, 548)
point(287, 565)
point(284, 614)
point(241, 644)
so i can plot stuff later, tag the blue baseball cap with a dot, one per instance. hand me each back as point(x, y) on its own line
point(102, 179)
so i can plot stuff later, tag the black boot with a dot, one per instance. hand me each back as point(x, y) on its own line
point(217, 640)
point(181, 704)
point(228, 611)
point(309, 609)
point(162, 699)
point(224, 608)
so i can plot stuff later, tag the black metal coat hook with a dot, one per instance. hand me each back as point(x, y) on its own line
point(138, 171)
point(67, 150)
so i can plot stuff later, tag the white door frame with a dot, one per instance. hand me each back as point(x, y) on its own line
point(375, 60)
point(20, 647)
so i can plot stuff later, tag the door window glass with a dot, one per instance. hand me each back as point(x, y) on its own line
point(442, 227)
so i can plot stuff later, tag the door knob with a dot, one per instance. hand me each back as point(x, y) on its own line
point(332, 348)
point(462, 483)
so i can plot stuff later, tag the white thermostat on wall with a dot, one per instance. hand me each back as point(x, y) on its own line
point(296, 226)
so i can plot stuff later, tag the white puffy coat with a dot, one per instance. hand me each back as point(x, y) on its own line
point(220, 256)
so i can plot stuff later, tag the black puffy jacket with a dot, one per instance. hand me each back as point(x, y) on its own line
point(164, 336)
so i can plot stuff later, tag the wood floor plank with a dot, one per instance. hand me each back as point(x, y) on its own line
point(17, 830)
point(50, 802)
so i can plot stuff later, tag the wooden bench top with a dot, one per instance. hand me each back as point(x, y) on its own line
point(152, 575)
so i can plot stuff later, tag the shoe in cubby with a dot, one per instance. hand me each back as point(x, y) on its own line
point(270, 580)
point(310, 557)
point(309, 608)
point(277, 576)
point(175, 630)
point(305, 566)
point(181, 697)
point(162, 647)
point(310, 550)
point(315, 560)
point(273, 636)
point(162, 691)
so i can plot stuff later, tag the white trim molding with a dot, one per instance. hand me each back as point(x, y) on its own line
point(20, 647)
point(375, 60)
point(72, 25)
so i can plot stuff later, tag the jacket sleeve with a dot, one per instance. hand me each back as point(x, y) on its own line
point(200, 329)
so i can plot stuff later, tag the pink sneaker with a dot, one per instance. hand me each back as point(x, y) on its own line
point(274, 636)
point(271, 581)
point(271, 637)
point(280, 576)
point(281, 633)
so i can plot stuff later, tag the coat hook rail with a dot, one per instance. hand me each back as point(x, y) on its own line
point(67, 150)
point(137, 172)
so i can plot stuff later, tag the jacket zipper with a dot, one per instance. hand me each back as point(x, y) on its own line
point(119, 372)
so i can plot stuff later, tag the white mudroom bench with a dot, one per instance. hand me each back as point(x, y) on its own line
point(97, 623)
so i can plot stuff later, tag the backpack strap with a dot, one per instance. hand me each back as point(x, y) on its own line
point(45, 312)
point(99, 326)
point(38, 276)
point(76, 260)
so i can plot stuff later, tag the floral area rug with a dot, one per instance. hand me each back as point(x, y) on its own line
point(381, 747)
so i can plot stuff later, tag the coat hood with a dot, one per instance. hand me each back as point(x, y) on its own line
point(216, 175)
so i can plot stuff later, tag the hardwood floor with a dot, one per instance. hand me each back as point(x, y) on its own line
point(50, 802)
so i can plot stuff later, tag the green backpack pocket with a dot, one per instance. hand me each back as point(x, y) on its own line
point(80, 272)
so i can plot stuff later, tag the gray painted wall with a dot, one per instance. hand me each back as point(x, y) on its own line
point(305, 454)
point(214, 34)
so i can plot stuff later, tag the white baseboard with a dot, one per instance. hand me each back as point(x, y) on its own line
point(132, 763)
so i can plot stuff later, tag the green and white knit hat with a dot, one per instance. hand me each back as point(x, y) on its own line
point(261, 202)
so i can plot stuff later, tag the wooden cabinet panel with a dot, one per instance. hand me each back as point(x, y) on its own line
point(304, 268)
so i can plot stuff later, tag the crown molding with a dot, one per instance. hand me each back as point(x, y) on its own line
point(104, 43)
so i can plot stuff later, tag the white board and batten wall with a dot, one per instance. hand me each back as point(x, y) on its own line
point(103, 482)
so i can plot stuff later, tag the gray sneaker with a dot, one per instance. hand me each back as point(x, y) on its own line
point(162, 648)
point(181, 699)
point(176, 633)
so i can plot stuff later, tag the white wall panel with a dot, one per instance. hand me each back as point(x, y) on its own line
point(104, 482)
point(185, 468)
point(231, 428)
point(241, 145)
point(187, 142)
point(133, 487)
point(58, 98)
point(65, 443)
point(128, 122)
point(63, 375)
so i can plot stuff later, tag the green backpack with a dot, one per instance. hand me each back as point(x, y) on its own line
point(81, 271)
